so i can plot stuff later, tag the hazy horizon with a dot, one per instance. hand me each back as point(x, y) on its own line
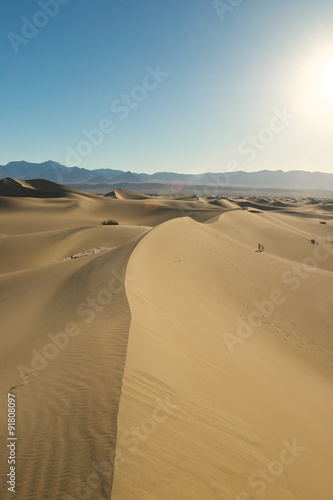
point(170, 171)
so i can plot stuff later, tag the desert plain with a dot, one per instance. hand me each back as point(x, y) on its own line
point(166, 358)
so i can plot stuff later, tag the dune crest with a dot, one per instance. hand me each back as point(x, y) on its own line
point(125, 194)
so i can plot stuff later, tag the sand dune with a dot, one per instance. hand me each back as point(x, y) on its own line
point(229, 205)
point(125, 194)
point(36, 188)
point(37, 249)
point(177, 362)
point(44, 210)
point(280, 239)
point(226, 418)
point(66, 372)
point(186, 197)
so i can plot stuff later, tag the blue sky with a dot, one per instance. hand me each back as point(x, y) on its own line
point(188, 86)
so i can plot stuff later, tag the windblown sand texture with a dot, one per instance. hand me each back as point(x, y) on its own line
point(166, 358)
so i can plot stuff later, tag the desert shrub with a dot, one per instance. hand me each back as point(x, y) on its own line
point(322, 222)
point(110, 222)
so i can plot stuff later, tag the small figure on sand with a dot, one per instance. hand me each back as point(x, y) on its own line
point(259, 247)
point(262, 247)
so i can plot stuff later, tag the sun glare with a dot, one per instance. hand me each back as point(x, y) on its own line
point(327, 79)
point(315, 90)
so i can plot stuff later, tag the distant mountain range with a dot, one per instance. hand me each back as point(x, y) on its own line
point(81, 177)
